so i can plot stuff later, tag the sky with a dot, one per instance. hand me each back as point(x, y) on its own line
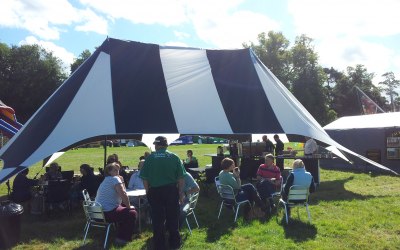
point(345, 32)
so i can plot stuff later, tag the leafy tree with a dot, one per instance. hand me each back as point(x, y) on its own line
point(309, 79)
point(390, 84)
point(78, 61)
point(273, 52)
point(28, 76)
point(345, 99)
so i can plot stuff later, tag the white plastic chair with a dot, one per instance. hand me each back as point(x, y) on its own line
point(95, 217)
point(86, 196)
point(297, 197)
point(189, 209)
point(229, 199)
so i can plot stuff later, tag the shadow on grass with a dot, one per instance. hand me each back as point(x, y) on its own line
point(335, 191)
point(298, 230)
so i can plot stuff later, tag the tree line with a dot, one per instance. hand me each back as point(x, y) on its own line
point(327, 93)
point(29, 75)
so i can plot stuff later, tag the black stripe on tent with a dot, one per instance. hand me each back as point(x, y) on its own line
point(141, 102)
point(40, 127)
point(241, 93)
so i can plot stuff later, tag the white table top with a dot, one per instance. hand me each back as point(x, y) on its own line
point(135, 193)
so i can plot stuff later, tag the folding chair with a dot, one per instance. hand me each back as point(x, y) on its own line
point(297, 197)
point(189, 209)
point(95, 217)
point(229, 199)
point(86, 196)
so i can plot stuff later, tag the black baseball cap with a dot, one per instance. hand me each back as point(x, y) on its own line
point(161, 141)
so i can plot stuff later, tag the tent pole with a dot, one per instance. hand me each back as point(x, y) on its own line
point(105, 150)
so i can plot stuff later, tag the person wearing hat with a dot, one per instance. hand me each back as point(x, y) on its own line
point(269, 179)
point(163, 179)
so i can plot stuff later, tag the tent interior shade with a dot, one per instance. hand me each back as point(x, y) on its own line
point(128, 87)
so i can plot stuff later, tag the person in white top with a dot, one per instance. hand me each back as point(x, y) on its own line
point(115, 202)
point(310, 147)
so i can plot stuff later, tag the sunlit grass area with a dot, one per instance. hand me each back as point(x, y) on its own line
point(349, 211)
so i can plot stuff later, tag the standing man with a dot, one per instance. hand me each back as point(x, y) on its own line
point(162, 176)
point(310, 162)
point(279, 151)
point(310, 147)
point(269, 146)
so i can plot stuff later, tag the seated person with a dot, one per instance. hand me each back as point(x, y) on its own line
point(115, 202)
point(190, 187)
point(299, 176)
point(114, 158)
point(54, 172)
point(135, 183)
point(190, 158)
point(243, 192)
point(89, 180)
point(269, 178)
point(22, 187)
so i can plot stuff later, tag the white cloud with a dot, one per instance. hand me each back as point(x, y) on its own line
point(177, 44)
point(216, 22)
point(343, 52)
point(221, 24)
point(46, 18)
point(349, 32)
point(320, 19)
point(93, 22)
point(181, 35)
point(166, 13)
point(60, 52)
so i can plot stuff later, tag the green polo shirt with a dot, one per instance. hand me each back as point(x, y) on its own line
point(162, 168)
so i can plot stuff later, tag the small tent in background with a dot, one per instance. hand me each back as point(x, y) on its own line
point(376, 136)
point(9, 125)
point(129, 87)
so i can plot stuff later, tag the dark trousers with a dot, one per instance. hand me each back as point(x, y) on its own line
point(164, 203)
point(125, 217)
point(280, 164)
point(249, 192)
point(265, 189)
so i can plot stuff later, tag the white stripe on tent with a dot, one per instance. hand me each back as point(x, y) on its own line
point(194, 98)
point(148, 139)
point(5, 171)
point(93, 105)
point(53, 158)
point(287, 108)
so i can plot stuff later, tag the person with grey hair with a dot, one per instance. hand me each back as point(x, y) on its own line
point(299, 176)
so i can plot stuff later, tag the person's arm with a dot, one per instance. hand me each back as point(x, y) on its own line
point(289, 183)
point(236, 175)
point(122, 193)
point(146, 185)
point(181, 184)
point(312, 185)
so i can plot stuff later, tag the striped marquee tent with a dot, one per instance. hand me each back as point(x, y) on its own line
point(129, 87)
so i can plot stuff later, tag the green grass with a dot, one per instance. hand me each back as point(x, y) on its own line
point(349, 211)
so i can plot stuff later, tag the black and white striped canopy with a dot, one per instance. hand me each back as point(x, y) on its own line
point(129, 87)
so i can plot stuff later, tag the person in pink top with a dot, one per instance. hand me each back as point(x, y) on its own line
point(269, 178)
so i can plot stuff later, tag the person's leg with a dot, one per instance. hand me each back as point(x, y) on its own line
point(156, 201)
point(172, 215)
point(125, 219)
point(280, 164)
point(251, 192)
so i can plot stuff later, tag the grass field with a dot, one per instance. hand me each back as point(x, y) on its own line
point(349, 211)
